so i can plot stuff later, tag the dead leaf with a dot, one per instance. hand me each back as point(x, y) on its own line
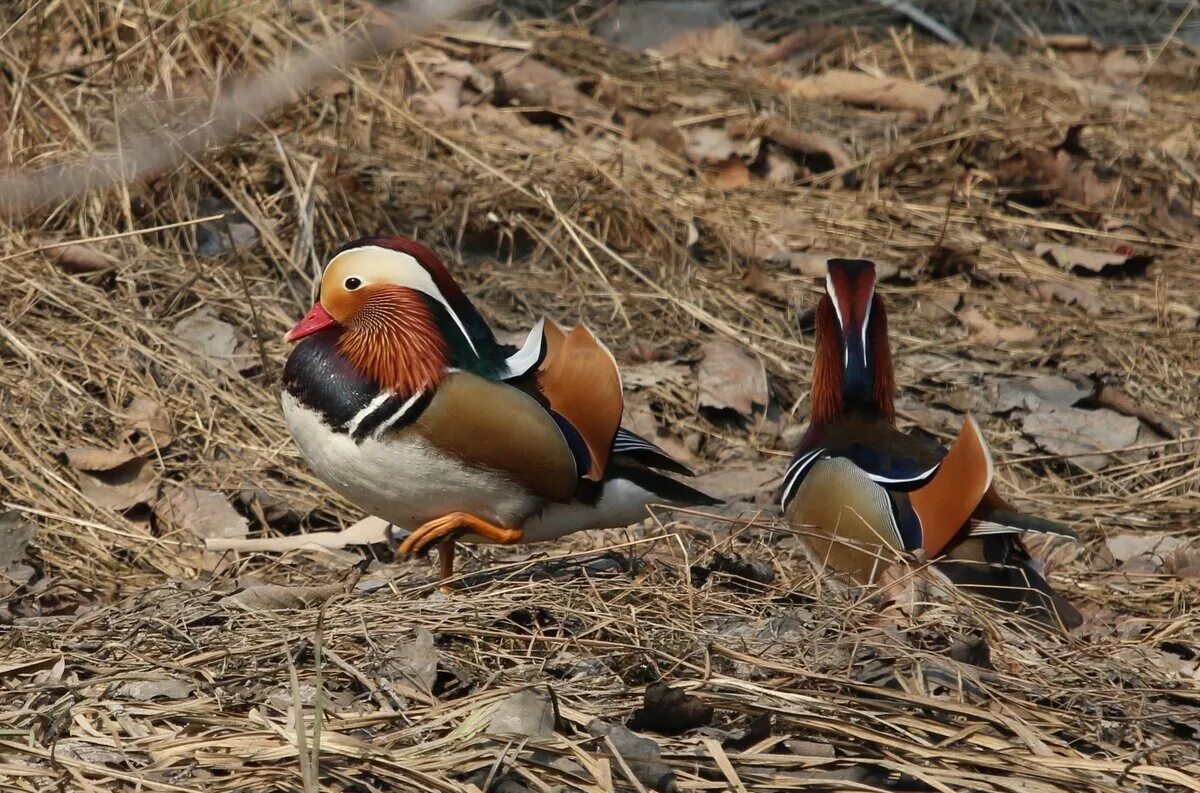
point(215, 341)
point(1084, 57)
point(366, 531)
point(1156, 547)
point(523, 80)
point(670, 711)
point(1069, 295)
point(78, 259)
point(758, 282)
point(731, 379)
point(153, 688)
point(528, 713)
point(113, 480)
point(781, 169)
point(814, 38)
point(716, 145)
point(1110, 396)
point(642, 755)
point(275, 597)
point(1082, 437)
point(201, 514)
point(817, 153)
point(1086, 262)
point(1064, 173)
point(447, 81)
point(661, 129)
point(987, 332)
point(146, 426)
point(1035, 393)
point(732, 174)
point(720, 43)
point(747, 574)
point(15, 535)
point(645, 351)
point(90, 752)
point(416, 661)
point(858, 88)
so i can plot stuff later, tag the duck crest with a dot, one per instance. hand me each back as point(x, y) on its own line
point(873, 390)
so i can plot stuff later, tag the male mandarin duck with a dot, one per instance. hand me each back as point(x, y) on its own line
point(861, 483)
point(400, 398)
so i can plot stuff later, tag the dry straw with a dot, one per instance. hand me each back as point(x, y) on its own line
point(571, 219)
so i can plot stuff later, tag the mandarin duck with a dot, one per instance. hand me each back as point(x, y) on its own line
point(858, 484)
point(400, 398)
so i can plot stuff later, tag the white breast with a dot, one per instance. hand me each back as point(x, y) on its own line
point(404, 480)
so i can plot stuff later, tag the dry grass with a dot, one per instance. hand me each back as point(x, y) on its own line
point(574, 219)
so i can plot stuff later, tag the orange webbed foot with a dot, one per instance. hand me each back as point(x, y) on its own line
point(445, 530)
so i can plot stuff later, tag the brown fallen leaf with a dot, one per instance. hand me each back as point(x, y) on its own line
point(447, 82)
point(1127, 547)
point(523, 80)
point(715, 145)
point(1064, 173)
point(813, 40)
point(659, 128)
point(15, 535)
point(1083, 437)
point(365, 532)
point(1068, 295)
point(669, 711)
point(1087, 262)
point(217, 343)
point(1003, 395)
point(781, 169)
point(1085, 57)
point(416, 661)
point(1110, 396)
point(721, 43)
point(817, 153)
point(642, 755)
point(78, 259)
point(732, 174)
point(858, 88)
point(730, 378)
point(987, 332)
point(146, 426)
point(200, 514)
point(113, 480)
point(758, 282)
point(528, 713)
point(275, 597)
point(152, 688)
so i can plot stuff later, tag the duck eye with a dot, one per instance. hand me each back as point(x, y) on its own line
point(352, 284)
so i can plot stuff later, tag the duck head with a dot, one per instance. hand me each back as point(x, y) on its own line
point(399, 316)
point(852, 371)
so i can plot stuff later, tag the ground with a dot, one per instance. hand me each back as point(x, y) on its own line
point(1032, 209)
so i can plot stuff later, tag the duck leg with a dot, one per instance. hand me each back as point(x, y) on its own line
point(444, 531)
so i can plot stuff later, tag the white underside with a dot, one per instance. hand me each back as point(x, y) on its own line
point(407, 482)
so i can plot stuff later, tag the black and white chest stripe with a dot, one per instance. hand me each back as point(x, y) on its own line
point(803, 463)
point(320, 378)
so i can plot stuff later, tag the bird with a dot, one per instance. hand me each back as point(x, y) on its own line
point(400, 398)
point(859, 486)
